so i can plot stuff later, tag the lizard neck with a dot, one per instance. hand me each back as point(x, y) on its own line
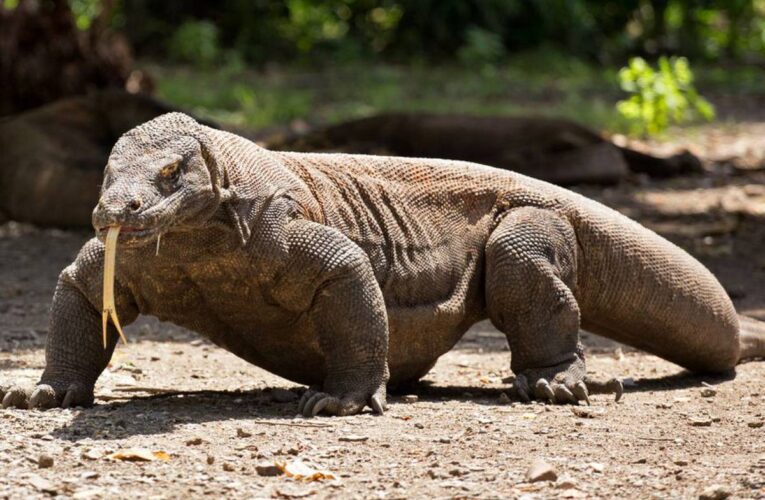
point(255, 183)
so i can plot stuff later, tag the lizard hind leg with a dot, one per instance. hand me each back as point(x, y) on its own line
point(531, 274)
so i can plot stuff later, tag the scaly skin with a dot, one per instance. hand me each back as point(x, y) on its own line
point(349, 273)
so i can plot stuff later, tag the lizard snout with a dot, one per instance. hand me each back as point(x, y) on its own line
point(119, 207)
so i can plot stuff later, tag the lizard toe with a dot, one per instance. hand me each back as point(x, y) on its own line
point(43, 397)
point(580, 392)
point(332, 405)
point(16, 397)
point(312, 402)
point(77, 395)
point(378, 404)
point(563, 395)
point(544, 391)
point(521, 388)
point(307, 395)
point(611, 386)
point(315, 402)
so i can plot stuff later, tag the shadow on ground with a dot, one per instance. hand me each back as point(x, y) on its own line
point(160, 414)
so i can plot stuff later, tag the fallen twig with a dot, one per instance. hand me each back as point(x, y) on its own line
point(291, 424)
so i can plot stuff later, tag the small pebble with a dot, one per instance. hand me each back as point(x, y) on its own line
point(91, 454)
point(411, 398)
point(708, 392)
point(210, 459)
point(586, 412)
point(243, 433)
point(715, 492)
point(597, 467)
point(541, 471)
point(45, 461)
point(43, 485)
point(504, 399)
point(268, 470)
point(565, 483)
point(228, 467)
point(700, 421)
point(755, 424)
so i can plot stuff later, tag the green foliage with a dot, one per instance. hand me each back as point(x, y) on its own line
point(482, 48)
point(195, 42)
point(84, 12)
point(660, 97)
point(530, 84)
point(468, 30)
point(264, 106)
point(310, 23)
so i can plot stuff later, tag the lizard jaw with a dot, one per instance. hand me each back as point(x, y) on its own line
point(131, 236)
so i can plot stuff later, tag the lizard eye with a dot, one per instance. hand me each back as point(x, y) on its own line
point(170, 171)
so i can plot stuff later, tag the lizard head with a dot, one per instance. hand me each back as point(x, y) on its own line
point(158, 179)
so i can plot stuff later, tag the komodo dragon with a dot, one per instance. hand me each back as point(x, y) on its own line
point(552, 149)
point(347, 273)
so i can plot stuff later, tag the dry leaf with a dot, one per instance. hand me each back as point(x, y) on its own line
point(138, 455)
point(301, 472)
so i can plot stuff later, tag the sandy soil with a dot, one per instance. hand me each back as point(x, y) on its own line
point(224, 423)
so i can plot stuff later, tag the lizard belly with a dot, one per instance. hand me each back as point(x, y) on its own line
point(421, 332)
point(222, 301)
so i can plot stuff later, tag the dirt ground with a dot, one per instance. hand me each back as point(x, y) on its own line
point(224, 424)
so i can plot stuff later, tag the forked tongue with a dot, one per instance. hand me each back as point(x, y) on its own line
point(109, 309)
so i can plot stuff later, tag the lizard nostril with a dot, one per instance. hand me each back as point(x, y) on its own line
point(134, 205)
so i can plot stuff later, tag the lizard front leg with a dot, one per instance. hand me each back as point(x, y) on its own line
point(74, 353)
point(331, 279)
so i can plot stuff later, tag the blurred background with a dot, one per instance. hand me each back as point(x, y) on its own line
point(260, 63)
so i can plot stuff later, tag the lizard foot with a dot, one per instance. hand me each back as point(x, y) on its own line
point(44, 396)
point(314, 401)
point(562, 384)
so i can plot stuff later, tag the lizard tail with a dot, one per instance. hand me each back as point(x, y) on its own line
point(751, 338)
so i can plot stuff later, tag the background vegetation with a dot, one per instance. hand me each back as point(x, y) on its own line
point(475, 32)
point(261, 62)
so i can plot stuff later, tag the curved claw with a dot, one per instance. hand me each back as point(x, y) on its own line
point(612, 386)
point(615, 385)
point(308, 394)
point(377, 405)
point(43, 397)
point(314, 401)
point(543, 387)
point(16, 397)
point(309, 405)
point(320, 405)
point(521, 388)
point(580, 391)
point(68, 401)
point(564, 395)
